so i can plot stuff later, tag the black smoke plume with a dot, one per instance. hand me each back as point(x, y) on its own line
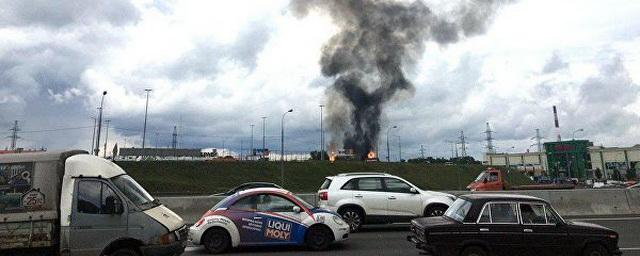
point(377, 40)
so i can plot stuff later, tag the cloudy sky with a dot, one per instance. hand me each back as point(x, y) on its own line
point(216, 67)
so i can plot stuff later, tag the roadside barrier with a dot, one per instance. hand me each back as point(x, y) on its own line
point(569, 203)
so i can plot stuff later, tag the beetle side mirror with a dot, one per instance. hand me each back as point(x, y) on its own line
point(296, 209)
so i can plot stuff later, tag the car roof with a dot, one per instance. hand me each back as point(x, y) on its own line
point(501, 197)
point(263, 190)
point(350, 174)
point(258, 182)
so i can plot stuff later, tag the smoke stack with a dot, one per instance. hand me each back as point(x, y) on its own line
point(557, 123)
point(367, 58)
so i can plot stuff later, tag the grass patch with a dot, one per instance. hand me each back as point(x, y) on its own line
point(190, 177)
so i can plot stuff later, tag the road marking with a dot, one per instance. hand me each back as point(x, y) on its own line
point(630, 249)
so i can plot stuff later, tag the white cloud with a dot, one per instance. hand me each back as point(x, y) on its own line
point(221, 65)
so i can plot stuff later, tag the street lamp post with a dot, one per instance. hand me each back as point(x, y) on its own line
point(388, 151)
point(93, 137)
point(321, 135)
point(399, 148)
point(251, 148)
point(106, 139)
point(282, 147)
point(144, 130)
point(97, 147)
point(576, 131)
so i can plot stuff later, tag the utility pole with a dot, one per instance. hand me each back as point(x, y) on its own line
point(538, 138)
point(422, 151)
point(144, 130)
point(463, 144)
point(14, 134)
point(97, 148)
point(106, 139)
point(174, 140)
point(490, 148)
point(264, 122)
point(321, 135)
point(251, 148)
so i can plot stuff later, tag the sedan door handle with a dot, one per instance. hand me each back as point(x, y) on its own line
point(484, 229)
point(528, 230)
point(358, 196)
point(392, 198)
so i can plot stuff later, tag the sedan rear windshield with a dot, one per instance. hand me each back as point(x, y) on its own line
point(458, 210)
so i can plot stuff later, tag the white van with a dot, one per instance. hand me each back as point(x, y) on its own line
point(73, 203)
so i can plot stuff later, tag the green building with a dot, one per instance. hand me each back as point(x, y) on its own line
point(568, 159)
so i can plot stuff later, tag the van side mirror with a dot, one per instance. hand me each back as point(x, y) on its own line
point(296, 209)
point(113, 205)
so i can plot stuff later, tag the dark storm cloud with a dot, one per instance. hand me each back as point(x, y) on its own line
point(41, 79)
point(377, 41)
point(555, 63)
point(61, 13)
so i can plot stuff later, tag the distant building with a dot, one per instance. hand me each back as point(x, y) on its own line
point(572, 159)
point(159, 153)
point(532, 162)
point(610, 159)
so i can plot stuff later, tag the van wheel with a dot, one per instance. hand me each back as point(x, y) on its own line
point(473, 251)
point(353, 217)
point(434, 211)
point(595, 250)
point(216, 240)
point(319, 238)
point(125, 252)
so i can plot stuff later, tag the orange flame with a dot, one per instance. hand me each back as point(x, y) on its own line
point(371, 155)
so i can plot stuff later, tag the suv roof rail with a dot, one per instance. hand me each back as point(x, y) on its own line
point(362, 173)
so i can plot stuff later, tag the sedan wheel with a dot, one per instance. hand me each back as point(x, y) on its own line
point(352, 217)
point(216, 241)
point(473, 251)
point(595, 250)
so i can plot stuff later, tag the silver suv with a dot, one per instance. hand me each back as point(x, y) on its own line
point(368, 198)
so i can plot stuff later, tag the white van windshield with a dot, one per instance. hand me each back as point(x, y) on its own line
point(136, 193)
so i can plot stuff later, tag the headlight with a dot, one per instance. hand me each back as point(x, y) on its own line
point(338, 220)
point(166, 238)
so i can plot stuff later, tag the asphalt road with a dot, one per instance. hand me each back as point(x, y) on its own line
point(390, 240)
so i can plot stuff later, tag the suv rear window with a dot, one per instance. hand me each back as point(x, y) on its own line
point(325, 184)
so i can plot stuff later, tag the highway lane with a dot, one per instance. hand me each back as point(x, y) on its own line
point(390, 240)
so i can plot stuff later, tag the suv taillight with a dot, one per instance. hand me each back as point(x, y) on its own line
point(324, 196)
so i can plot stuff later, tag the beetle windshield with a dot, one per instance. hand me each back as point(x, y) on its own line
point(458, 210)
point(136, 193)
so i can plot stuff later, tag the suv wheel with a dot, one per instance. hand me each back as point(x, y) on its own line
point(436, 210)
point(353, 217)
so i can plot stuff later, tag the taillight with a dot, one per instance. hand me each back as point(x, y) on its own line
point(324, 196)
